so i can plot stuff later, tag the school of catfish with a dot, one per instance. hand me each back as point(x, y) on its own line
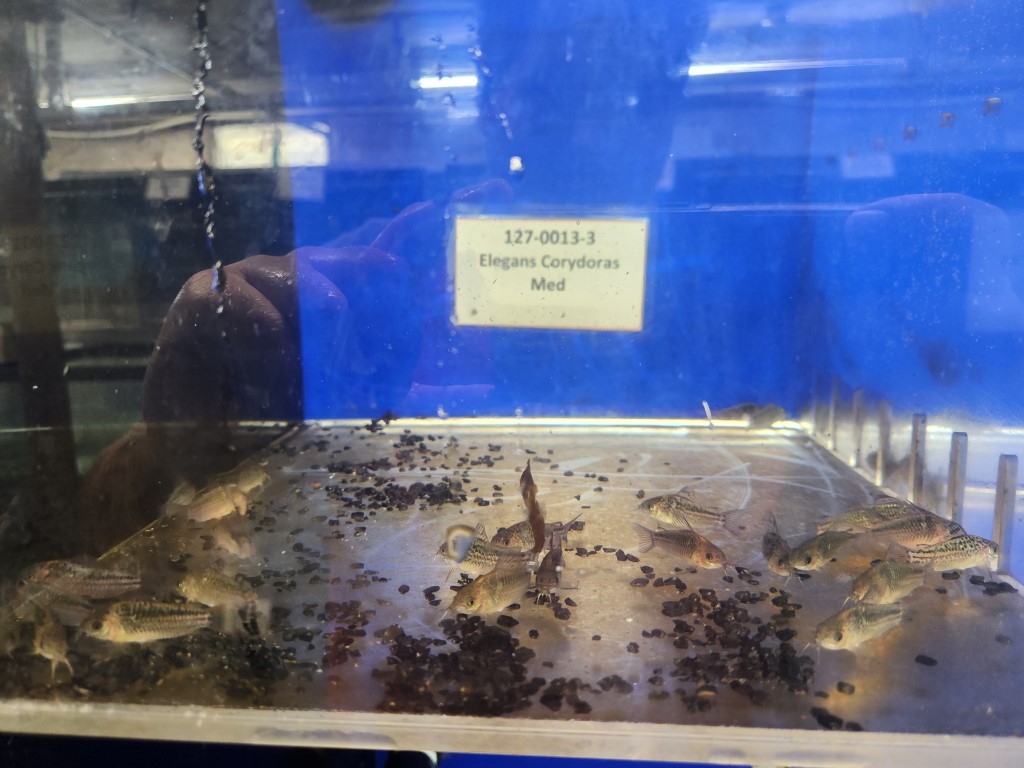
point(911, 547)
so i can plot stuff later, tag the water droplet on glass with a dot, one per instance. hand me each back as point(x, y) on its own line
point(992, 106)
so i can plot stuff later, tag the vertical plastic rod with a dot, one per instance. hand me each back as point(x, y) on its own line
point(917, 441)
point(833, 414)
point(858, 427)
point(1006, 498)
point(957, 477)
point(884, 442)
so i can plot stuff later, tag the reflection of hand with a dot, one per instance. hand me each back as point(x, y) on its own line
point(321, 332)
point(239, 355)
point(923, 293)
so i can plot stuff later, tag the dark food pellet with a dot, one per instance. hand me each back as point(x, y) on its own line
point(951, 575)
point(852, 726)
point(403, 589)
point(639, 582)
point(646, 570)
point(928, 661)
point(570, 602)
point(596, 637)
point(633, 648)
point(640, 493)
point(998, 588)
point(506, 621)
point(977, 580)
point(826, 719)
point(534, 634)
point(846, 688)
point(1004, 639)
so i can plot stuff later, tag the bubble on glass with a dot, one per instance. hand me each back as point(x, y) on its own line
point(992, 106)
point(503, 119)
point(515, 165)
point(519, 413)
point(441, 412)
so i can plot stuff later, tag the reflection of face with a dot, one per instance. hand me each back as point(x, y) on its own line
point(585, 93)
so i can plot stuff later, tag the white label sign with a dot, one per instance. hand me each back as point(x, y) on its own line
point(585, 274)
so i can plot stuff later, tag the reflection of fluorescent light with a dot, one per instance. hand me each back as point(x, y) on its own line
point(783, 65)
point(455, 81)
point(98, 102)
point(103, 101)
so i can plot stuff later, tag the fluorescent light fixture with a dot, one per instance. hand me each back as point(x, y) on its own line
point(454, 81)
point(786, 65)
point(99, 102)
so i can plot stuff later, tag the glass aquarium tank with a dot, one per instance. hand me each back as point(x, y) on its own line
point(606, 378)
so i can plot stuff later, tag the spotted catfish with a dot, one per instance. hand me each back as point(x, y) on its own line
point(679, 509)
point(777, 552)
point(470, 551)
point(687, 545)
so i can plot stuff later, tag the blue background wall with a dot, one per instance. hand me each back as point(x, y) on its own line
point(831, 189)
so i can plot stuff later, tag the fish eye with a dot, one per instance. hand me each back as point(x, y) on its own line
point(807, 560)
point(710, 555)
point(838, 637)
point(96, 625)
